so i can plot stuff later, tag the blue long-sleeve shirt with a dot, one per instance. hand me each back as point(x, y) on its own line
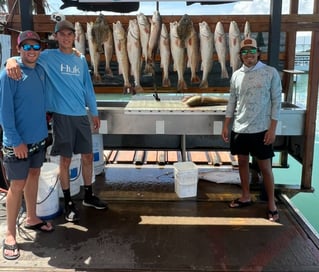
point(255, 98)
point(22, 106)
point(70, 89)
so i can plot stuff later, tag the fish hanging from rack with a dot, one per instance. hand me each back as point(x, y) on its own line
point(94, 54)
point(184, 28)
point(120, 43)
point(102, 37)
point(206, 51)
point(220, 46)
point(247, 31)
point(134, 53)
point(234, 46)
point(79, 42)
point(145, 30)
point(165, 55)
point(193, 58)
point(155, 31)
point(178, 55)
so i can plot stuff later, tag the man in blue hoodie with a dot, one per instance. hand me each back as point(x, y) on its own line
point(69, 92)
point(23, 120)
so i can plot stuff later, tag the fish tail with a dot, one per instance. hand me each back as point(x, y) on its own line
point(181, 85)
point(166, 82)
point(224, 73)
point(203, 84)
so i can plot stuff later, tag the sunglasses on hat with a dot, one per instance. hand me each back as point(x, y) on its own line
point(28, 47)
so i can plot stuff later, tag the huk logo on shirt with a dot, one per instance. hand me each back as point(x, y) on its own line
point(66, 69)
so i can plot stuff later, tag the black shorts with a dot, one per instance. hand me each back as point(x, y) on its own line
point(19, 168)
point(250, 143)
point(71, 135)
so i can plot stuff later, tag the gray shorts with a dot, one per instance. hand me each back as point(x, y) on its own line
point(19, 168)
point(71, 135)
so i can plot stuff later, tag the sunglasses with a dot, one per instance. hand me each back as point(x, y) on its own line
point(28, 47)
point(250, 51)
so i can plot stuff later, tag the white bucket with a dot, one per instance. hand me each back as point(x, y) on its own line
point(75, 174)
point(48, 198)
point(98, 153)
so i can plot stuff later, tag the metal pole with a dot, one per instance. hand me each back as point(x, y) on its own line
point(26, 14)
point(274, 33)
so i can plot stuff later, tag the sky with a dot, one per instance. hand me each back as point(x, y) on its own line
point(180, 8)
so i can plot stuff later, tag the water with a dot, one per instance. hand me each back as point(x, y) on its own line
point(307, 203)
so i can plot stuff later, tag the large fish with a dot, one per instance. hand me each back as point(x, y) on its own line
point(145, 30)
point(108, 53)
point(134, 53)
point(220, 46)
point(165, 54)
point(234, 46)
point(102, 37)
point(94, 54)
point(119, 37)
point(178, 55)
point(192, 49)
point(206, 51)
point(100, 32)
point(247, 31)
point(184, 28)
point(79, 42)
point(155, 31)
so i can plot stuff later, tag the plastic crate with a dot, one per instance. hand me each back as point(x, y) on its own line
point(186, 179)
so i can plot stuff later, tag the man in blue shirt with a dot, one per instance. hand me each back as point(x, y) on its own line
point(23, 120)
point(69, 92)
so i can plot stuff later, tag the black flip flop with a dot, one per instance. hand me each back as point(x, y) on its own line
point(236, 203)
point(39, 227)
point(12, 248)
point(272, 216)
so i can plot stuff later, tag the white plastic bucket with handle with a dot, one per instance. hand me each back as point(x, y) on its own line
point(48, 197)
point(98, 153)
point(75, 174)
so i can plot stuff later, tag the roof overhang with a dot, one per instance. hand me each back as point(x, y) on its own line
point(126, 6)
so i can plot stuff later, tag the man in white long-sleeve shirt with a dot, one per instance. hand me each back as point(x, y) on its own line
point(254, 105)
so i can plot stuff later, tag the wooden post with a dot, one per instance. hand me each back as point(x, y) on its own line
point(312, 102)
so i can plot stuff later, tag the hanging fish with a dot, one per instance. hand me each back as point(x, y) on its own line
point(247, 31)
point(192, 49)
point(119, 36)
point(100, 32)
point(79, 42)
point(155, 31)
point(145, 30)
point(220, 46)
point(178, 55)
point(184, 28)
point(165, 54)
point(134, 53)
point(94, 54)
point(206, 51)
point(108, 52)
point(234, 46)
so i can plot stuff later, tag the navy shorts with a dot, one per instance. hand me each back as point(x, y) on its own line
point(250, 144)
point(71, 134)
point(19, 168)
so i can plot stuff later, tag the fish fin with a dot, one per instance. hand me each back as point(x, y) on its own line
point(166, 82)
point(224, 73)
point(181, 85)
point(203, 84)
point(195, 79)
